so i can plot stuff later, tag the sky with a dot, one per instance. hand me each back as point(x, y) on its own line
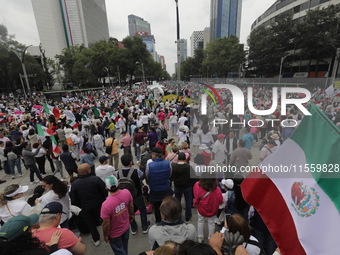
point(18, 16)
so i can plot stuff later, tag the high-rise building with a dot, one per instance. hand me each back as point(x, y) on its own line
point(64, 23)
point(183, 50)
point(225, 18)
point(206, 37)
point(137, 24)
point(197, 41)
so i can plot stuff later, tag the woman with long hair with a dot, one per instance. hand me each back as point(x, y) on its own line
point(10, 203)
point(56, 191)
point(208, 197)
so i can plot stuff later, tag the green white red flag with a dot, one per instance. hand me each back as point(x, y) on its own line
point(56, 149)
point(44, 131)
point(51, 110)
point(302, 210)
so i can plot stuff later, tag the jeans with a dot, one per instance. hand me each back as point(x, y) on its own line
point(188, 199)
point(18, 164)
point(173, 128)
point(11, 164)
point(114, 157)
point(34, 169)
point(119, 244)
point(6, 166)
point(157, 212)
point(48, 157)
point(137, 151)
point(59, 166)
point(139, 204)
point(200, 225)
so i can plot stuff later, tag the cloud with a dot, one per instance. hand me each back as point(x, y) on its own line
point(161, 14)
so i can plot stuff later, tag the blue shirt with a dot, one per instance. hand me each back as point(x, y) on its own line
point(248, 139)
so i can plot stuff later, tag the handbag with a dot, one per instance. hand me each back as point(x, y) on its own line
point(108, 149)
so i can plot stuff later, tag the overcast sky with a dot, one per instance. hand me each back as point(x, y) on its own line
point(18, 16)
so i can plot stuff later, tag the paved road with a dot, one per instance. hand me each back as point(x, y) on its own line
point(137, 243)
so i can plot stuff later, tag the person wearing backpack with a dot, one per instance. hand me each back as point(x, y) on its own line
point(130, 179)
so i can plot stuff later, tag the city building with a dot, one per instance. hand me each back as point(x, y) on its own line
point(62, 24)
point(196, 41)
point(303, 67)
point(225, 18)
point(206, 37)
point(137, 24)
point(183, 50)
point(299, 8)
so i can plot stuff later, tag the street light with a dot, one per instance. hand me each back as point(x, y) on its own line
point(118, 75)
point(108, 74)
point(335, 65)
point(178, 47)
point(22, 60)
point(283, 59)
point(143, 73)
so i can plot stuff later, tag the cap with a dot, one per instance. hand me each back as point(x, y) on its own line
point(275, 136)
point(181, 156)
point(123, 132)
point(221, 136)
point(157, 150)
point(17, 226)
point(229, 183)
point(21, 189)
point(52, 208)
point(111, 182)
point(102, 159)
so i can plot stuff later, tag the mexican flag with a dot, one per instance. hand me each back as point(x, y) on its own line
point(55, 147)
point(96, 112)
point(301, 209)
point(84, 120)
point(73, 123)
point(44, 131)
point(51, 110)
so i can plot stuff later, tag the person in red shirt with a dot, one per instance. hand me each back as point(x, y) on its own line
point(208, 197)
point(49, 221)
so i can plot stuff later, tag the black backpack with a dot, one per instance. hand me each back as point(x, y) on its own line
point(164, 133)
point(127, 182)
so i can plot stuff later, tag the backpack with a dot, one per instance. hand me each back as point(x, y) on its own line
point(127, 182)
point(69, 141)
point(164, 133)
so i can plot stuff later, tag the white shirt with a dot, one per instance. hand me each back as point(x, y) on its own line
point(41, 153)
point(103, 171)
point(51, 196)
point(17, 207)
point(219, 151)
point(182, 120)
point(145, 119)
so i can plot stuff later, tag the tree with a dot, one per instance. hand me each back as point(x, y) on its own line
point(224, 55)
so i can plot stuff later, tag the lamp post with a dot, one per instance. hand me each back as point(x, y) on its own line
point(282, 59)
point(178, 48)
point(108, 74)
point(143, 73)
point(335, 65)
point(118, 75)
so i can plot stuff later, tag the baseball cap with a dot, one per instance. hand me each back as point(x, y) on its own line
point(102, 159)
point(52, 208)
point(17, 226)
point(229, 183)
point(157, 150)
point(111, 182)
point(220, 136)
point(21, 189)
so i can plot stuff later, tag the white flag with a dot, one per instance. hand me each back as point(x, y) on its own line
point(330, 90)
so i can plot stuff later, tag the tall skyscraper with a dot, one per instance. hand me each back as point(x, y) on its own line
point(137, 24)
point(225, 18)
point(196, 41)
point(64, 23)
point(206, 37)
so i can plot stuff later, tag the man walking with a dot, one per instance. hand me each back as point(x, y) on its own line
point(158, 172)
point(114, 155)
point(88, 193)
point(117, 212)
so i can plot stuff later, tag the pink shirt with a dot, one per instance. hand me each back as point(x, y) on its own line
point(116, 208)
point(207, 206)
point(126, 140)
point(67, 240)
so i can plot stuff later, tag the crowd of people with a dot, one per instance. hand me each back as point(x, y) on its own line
point(151, 150)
